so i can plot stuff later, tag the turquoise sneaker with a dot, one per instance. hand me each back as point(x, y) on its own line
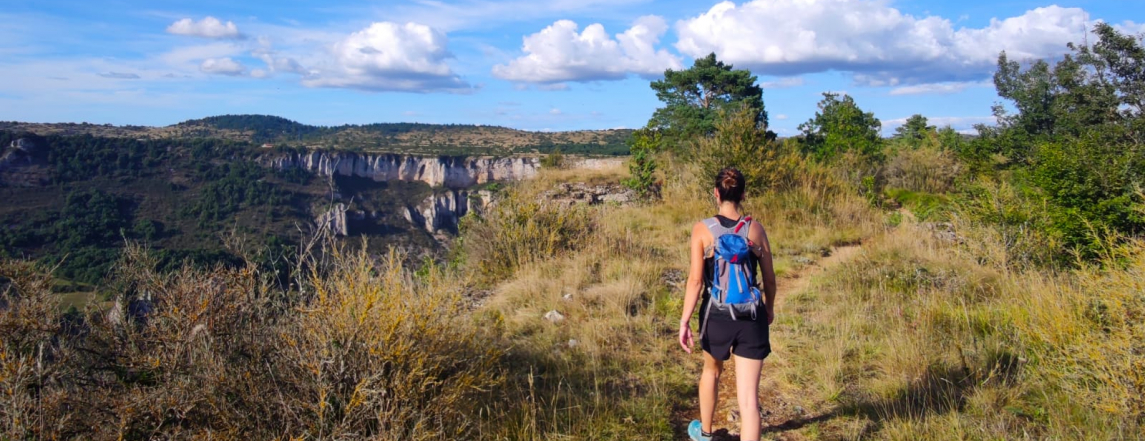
point(696, 432)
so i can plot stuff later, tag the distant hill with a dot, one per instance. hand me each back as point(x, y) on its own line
point(451, 139)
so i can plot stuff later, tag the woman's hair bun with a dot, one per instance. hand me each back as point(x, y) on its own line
point(730, 184)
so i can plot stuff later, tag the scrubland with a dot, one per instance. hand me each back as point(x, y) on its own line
point(932, 330)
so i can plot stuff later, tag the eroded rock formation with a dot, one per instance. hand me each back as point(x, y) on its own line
point(443, 212)
point(446, 171)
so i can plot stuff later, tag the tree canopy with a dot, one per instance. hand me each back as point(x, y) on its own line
point(915, 130)
point(840, 126)
point(1077, 135)
point(694, 97)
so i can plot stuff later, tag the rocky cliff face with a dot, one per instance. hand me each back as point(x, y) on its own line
point(442, 212)
point(22, 164)
point(446, 171)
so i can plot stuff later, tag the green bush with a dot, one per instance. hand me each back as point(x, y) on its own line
point(766, 164)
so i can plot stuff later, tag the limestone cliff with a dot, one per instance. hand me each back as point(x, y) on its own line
point(443, 212)
point(447, 171)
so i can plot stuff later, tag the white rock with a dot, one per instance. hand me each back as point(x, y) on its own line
point(554, 316)
point(447, 171)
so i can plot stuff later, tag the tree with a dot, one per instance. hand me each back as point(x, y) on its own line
point(694, 97)
point(643, 145)
point(840, 126)
point(914, 131)
point(1078, 136)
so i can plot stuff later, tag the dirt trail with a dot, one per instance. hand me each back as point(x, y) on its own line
point(774, 418)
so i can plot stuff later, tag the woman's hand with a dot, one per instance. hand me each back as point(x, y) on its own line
point(770, 314)
point(686, 336)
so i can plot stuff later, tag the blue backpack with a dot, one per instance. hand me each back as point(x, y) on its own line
point(732, 288)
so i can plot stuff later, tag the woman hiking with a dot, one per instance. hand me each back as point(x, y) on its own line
point(725, 252)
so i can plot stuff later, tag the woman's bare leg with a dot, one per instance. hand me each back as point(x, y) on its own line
point(709, 389)
point(747, 394)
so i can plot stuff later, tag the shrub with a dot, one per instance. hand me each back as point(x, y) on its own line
point(924, 169)
point(363, 350)
point(642, 167)
point(738, 142)
point(520, 229)
point(555, 159)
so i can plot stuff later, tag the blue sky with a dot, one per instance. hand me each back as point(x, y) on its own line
point(556, 65)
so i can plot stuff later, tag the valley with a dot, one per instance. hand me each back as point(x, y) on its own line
point(221, 194)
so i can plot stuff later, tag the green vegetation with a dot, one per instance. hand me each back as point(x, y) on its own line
point(840, 126)
point(644, 145)
point(948, 306)
point(229, 188)
point(693, 99)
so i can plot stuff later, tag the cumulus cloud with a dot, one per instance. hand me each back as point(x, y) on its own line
point(561, 53)
point(387, 57)
point(878, 44)
point(120, 75)
point(209, 27)
point(222, 66)
point(276, 64)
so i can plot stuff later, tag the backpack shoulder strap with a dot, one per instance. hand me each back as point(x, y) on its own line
point(716, 228)
point(743, 227)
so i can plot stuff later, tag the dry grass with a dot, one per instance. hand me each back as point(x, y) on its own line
point(926, 169)
point(611, 369)
point(364, 350)
point(916, 338)
point(919, 338)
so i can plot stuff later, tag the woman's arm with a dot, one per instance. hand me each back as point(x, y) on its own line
point(694, 285)
point(766, 266)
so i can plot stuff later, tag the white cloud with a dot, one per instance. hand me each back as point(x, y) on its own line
point(877, 43)
point(222, 66)
point(188, 58)
point(1130, 28)
point(120, 75)
point(209, 27)
point(781, 117)
point(490, 14)
point(961, 124)
point(275, 64)
point(555, 111)
point(388, 57)
point(560, 53)
point(937, 88)
point(783, 83)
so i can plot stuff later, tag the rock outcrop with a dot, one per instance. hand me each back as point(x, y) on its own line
point(443, 212)
point(334, 220)
point(22, 164)
point(580, 193)
point(445, 171)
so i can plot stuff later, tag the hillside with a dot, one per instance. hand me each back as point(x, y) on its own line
point(382, 137)
point(72, 200)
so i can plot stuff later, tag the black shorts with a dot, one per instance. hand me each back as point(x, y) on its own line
point(745, 338)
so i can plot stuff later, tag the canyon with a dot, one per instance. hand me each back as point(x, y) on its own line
point(437, 171)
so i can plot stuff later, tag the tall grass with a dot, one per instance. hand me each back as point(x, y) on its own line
point(364, 350)
point(920, 338)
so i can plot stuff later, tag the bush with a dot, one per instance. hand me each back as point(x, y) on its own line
point(555, 159)
point(364, 350)
point(924, 169)
point(519, 230)
point(766, 164)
